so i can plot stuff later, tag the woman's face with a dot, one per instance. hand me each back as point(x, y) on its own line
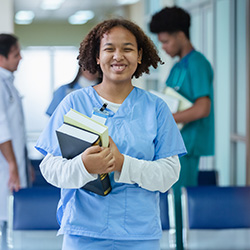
point(119, 56)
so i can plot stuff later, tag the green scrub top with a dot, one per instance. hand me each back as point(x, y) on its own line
point(192, 77)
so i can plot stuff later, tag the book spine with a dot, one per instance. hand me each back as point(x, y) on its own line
point(105, 183)
point(99, 186)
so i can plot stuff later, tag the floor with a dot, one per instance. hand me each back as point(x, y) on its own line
point(30, 240)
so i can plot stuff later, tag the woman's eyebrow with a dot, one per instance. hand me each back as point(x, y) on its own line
point(108, 44)
point(129, 44)
point(125, 44)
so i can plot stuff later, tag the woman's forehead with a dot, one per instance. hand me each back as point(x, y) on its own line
point(119, 33)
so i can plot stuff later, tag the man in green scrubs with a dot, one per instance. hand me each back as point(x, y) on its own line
point(192, 77)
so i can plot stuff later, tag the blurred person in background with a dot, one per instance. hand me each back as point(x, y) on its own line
point(83, 79)
point(192, 77)
point(13, 154)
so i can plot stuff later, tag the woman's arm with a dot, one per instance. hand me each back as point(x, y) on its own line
point(65, 173)
point(157, 175)
point(80, 170)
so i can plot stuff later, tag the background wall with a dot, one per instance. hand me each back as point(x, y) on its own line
point(6, 16)
point(52, 34)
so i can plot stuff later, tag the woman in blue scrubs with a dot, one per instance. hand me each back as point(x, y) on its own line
point(142, 158)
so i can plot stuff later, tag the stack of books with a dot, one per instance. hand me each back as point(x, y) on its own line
point(79, 132)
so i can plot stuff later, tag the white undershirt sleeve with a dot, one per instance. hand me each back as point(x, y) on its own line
point(157, 175)
point(64, 173)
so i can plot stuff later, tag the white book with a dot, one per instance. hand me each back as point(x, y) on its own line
point(77, 119)
point(78, 133)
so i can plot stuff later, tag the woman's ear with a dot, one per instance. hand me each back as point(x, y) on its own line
point(98, 60)
point(140, 56)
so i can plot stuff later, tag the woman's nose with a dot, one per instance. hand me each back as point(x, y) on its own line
point(118, 55)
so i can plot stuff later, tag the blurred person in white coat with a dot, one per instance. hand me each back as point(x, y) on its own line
point(13, 154)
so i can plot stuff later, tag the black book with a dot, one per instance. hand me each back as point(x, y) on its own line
point(73, 141)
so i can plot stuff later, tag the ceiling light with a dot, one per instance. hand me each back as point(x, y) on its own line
point(126, 2)
point(81, 17)
point(24, 17)
point(51, 4)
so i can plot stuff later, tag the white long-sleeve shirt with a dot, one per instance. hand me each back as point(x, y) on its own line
point(157, 175)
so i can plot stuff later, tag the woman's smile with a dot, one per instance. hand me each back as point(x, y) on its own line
point(118, 67)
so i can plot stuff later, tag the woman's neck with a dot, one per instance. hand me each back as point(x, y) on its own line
point(115, 93)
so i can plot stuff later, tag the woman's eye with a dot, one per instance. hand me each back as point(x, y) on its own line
point(108, 49)
point(127, 49)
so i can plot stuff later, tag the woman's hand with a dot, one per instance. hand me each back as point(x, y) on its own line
point(119, 158)
point(98, 160)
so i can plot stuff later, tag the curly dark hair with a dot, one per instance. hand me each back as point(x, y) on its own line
point(90, 47)
point(171, 19)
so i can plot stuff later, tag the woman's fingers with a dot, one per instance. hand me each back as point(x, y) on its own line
point(93, 149)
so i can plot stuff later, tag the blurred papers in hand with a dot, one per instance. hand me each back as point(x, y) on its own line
point(175, 101)
point(184, 103)
point(172, 102)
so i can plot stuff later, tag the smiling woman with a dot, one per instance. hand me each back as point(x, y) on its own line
point(142, 157)
point(90, 47)
point(118, 58)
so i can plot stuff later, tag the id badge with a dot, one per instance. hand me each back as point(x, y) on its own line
point(100, 115)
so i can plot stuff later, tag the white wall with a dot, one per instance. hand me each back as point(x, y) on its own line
point(6, 16)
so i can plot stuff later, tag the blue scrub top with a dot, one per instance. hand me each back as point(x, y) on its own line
point(192, 77)
point(144, 128)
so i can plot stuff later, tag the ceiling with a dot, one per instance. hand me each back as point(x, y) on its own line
point(101, 8)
